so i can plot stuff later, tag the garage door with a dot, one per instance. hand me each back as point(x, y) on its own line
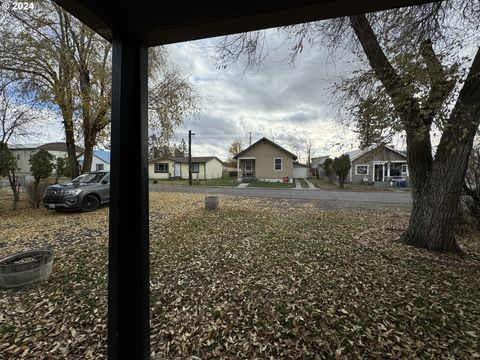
point(300, 172)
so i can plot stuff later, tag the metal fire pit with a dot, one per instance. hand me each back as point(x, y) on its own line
point(25, 268)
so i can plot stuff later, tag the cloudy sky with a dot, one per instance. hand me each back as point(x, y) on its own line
point(277, 101)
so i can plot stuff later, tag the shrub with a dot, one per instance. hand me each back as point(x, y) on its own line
point(327, 166)
point(62, 168)
point(8, 166)
point(341, 165)
point(42, 168)
point(34, 192)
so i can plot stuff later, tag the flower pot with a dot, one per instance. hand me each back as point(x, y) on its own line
point(211, 202)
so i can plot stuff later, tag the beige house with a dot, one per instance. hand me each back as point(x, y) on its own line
point(23, 153)
point(378, 163)
point(265, 161)
point(205, 167)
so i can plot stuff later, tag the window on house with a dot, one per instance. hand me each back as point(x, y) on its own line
point(404, 168)
point(195, 167)
point(161, 167)
point(278, 164)
point(99, 167)
point(395, 169)
point(361, 169)
point(18, 157)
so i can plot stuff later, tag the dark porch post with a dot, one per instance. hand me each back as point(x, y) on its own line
point(128, 247)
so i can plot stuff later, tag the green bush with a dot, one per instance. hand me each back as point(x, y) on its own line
point(341, 165)
point(34, 192)
point(42, 167)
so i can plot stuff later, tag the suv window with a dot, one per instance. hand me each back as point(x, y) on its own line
point(89, 177)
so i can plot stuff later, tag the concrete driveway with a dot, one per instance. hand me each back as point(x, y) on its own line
point(358, 197)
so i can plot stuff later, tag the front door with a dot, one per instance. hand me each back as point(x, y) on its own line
point(248, 167)
point(378, 172)
point(176, 172)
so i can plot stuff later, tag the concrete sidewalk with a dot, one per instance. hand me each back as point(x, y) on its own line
point(298, 186)
point(310, 185)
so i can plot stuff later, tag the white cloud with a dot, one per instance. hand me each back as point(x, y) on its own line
point(277, 101)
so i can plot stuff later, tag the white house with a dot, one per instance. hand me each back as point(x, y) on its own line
point(203, 167)
point(23, 153)
point(100, 160)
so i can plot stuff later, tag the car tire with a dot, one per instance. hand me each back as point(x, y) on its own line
point(90, 203)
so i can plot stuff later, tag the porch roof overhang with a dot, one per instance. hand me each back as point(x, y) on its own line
point(154, 23)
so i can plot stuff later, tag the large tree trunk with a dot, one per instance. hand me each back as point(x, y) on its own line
point(70, 143)
point(88, 156)
point(434, 214)
point(436, 183)
point(436, 197)
point(436, 201)
point(436, 194)
point(64, 92)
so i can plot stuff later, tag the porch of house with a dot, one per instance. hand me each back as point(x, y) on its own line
point(386, 171)
point(246, 169)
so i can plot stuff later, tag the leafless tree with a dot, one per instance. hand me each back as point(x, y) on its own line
point(19, 113)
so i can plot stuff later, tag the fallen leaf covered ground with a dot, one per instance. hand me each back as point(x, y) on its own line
point(259, 278)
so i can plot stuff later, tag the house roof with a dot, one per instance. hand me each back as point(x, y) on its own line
point(184, 159)
point(53, 146)
point(355, 154)
point(300, 165)
point(100, 154)
point(58, 146)
point(271, 143)
point(32, 146)
point(319, 160)
point(320, 157)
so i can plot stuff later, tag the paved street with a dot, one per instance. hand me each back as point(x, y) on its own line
point(399, 201)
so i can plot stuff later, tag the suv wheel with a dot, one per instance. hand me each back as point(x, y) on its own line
point(90, 203)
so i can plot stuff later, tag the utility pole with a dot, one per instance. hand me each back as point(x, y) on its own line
point(250, 139)
point(190, 156)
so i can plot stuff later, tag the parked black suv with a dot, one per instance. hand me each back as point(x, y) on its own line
point(86, 192)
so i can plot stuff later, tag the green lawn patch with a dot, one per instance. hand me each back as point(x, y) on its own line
point(169, 181)
point(224, 181)
point(267, 184)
